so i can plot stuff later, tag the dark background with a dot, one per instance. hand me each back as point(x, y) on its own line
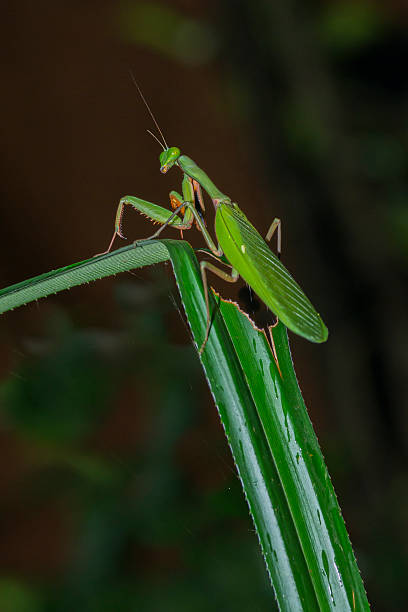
point(117, 488)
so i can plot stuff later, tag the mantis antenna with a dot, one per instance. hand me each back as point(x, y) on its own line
point(132, 76)
point(156, 139)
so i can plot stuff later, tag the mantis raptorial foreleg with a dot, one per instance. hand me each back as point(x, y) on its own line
point(191, 193)
point(191, 200)
point(172, 216)
point(156, 213)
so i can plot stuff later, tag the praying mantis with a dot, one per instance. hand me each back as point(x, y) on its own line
point(247, 252)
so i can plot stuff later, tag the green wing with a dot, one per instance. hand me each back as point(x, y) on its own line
point(248, 253)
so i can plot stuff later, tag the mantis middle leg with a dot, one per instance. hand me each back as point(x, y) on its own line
point(230, 278)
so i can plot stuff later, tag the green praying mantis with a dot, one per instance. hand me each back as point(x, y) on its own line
point(247, 252)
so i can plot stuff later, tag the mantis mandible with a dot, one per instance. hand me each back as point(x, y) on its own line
point(247, 252)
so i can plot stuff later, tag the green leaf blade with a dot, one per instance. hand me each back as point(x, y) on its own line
point(300, 465)
point(130, 257)
point(239, 415)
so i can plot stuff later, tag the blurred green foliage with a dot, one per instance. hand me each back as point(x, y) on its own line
point(347, 26)
point(17, 596)
point(168, 31)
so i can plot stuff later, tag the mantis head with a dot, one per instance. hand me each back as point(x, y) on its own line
point(168, 158)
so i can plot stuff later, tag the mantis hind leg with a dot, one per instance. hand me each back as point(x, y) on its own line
point(230, 278)
point(275, 225)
